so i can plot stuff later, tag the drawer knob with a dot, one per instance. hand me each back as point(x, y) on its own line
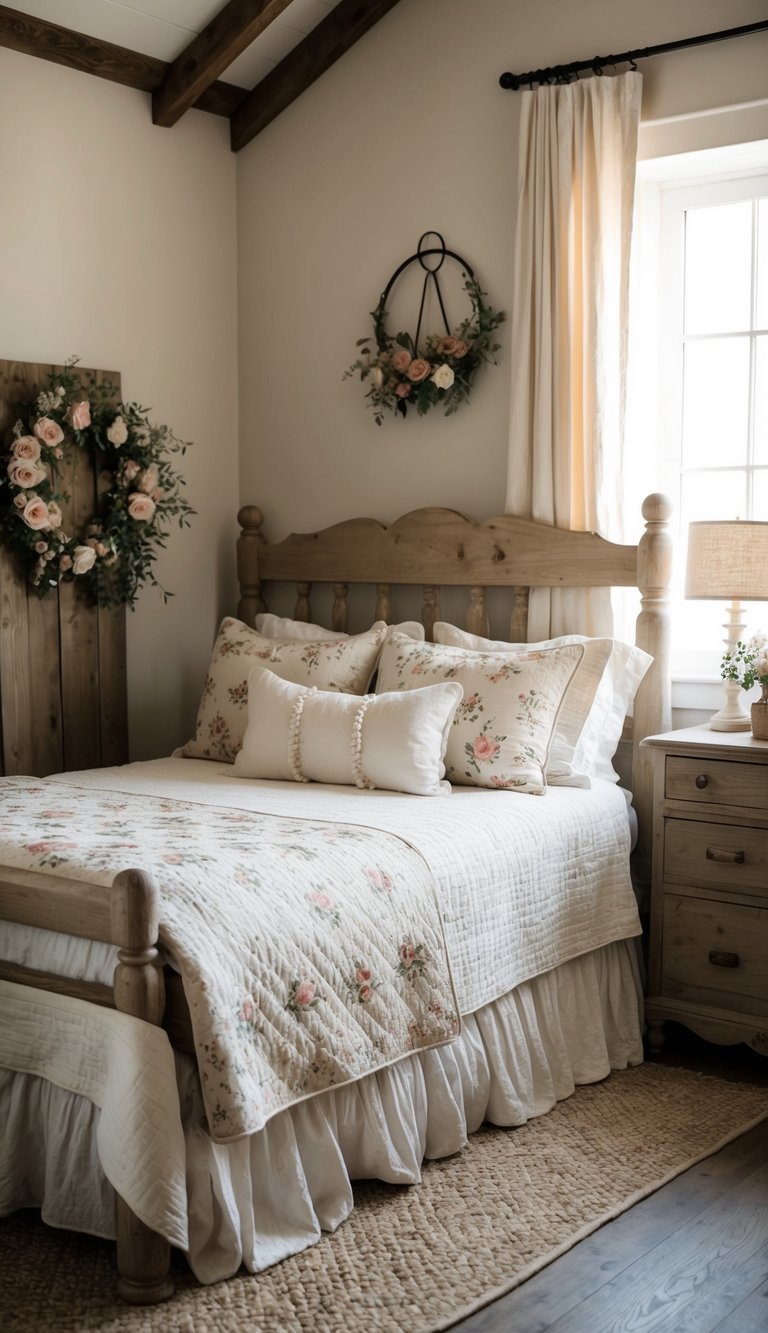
point(702, 781)
point(720, 958)
point(725, 855)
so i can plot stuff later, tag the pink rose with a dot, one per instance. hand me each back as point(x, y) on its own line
point(484, 749)
point(35, 514)
point(418, 370)
point(26, 447)
point(149, 479)
point(19, 501)
point(364, 993)
point(460, 349)
point(79, 414)
point(84, 559)
point(320, 899)
point(24, 473)
point(363, 974)
point(40, 547)
point(247, 1011)
point(141, 507)
point(48, 431)
point(403, 389)
point(401, 359)
point(65, 563)
point(131, 469)
point(54, 514)
point(407, 954)
point(447, 346)
point(305, 993)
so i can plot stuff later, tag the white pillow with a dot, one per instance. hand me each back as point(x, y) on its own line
point(342, 664)
point(393, 741)
point(281, 627)
point(593, 749)
point(503, 727)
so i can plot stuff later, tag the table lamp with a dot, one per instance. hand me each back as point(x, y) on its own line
point(728, 561)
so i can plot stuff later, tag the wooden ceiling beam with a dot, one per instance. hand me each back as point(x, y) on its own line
point(36, 37)
point(320, 49)
point(226, 36)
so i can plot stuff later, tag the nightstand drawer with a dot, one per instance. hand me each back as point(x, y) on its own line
point(718, 781)
point(716, 855)
point(715, 954)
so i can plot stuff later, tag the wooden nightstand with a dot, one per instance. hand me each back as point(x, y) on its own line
point(708, 960)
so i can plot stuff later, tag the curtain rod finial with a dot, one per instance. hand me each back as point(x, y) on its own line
point(508, 80)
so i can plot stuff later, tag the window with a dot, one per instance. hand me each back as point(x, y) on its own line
point(699, 362)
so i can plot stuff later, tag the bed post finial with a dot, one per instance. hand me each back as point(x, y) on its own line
point(653, 703)
point(251, 538)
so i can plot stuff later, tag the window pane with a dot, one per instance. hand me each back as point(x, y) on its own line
point(761, 395)
point(761, 313)
point(715, 402)
point(760, 498)
point(718, 260)
point(708, 495)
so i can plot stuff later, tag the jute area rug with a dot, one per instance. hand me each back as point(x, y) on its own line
point(418, 1258)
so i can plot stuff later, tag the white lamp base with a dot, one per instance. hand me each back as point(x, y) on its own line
point(731, 716)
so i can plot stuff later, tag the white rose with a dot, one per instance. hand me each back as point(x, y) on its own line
point(443, 377)
point(117, 433)
point(377, 375)
point(84, 559)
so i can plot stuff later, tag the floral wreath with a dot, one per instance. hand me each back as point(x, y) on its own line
point(440, 376)
point(139, 490)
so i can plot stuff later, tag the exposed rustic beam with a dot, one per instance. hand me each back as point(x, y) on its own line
point(320, 49)
point(36, 37)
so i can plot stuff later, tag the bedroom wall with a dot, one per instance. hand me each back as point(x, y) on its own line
point(118, 244)
point(410, 131)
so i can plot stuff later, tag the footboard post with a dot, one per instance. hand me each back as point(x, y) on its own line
point(143, 1256)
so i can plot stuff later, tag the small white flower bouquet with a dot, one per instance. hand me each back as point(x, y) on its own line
point(748, 665)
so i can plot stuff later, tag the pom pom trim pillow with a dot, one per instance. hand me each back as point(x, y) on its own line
point(579, 752)
point(392, 741)
point(503, 727)
point(345, 665)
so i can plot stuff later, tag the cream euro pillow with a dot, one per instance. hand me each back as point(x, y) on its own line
point(580, 750)
point(342, 664)
point(282, 627)
point(393, 741)
point(503, 727)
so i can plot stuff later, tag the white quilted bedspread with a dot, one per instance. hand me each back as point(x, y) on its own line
point(312, 952)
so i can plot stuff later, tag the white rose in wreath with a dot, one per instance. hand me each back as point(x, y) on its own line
point(83, 560)
point(117, 433)
point(443, 377)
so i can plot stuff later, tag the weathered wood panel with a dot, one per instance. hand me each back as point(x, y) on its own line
point(62, 661)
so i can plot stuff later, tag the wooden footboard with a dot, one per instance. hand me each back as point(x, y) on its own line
point(124, 914)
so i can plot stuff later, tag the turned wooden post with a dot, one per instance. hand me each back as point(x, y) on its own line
point(383, 604)
point(143, 1256)
point(652, 712)
point(430, 609)
point(477, 616)
point(251, 538)
point(518, 624)
point(340, 610)
point(301, 610)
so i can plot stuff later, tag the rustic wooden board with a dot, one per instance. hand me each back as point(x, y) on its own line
point(62, 661)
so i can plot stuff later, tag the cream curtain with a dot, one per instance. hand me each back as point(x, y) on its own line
point(578, 151)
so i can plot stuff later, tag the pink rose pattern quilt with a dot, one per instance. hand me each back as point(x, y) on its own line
point(312, 953)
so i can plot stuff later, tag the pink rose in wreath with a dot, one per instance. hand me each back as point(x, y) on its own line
point(401, 360)
point(403, 389)
point(48, 431)
point(23, 472)
point(418, 370)
point(26, 447)
point(35, 514)
point(141, 507)
point(484, 749)
point(79, 414)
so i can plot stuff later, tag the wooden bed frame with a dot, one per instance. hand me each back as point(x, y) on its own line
point(430, 548)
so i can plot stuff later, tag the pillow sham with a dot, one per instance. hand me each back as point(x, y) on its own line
point(282, 627)
point(504, 725)
point(392, 741)
point(592, 753)
point(333, 664)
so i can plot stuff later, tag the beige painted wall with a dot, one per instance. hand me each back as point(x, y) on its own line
point(410, 131)
point(118, 244)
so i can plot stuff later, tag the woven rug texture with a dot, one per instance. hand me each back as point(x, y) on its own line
point(413, 1258)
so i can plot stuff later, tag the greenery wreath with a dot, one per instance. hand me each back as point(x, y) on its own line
point(440, 376)
point(139, 490)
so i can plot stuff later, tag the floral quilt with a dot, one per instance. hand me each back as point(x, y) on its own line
point(312, 953)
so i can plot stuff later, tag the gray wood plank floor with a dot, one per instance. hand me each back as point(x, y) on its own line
point(691, 1258)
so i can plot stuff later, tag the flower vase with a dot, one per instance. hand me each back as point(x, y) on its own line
point(760, 716)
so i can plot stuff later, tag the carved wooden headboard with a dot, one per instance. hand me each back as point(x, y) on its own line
point(437, 548)
point(62, 661)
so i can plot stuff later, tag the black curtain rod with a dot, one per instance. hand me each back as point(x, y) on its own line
point(564, 73)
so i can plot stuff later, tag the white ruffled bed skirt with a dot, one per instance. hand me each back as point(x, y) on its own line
point(263, 1198)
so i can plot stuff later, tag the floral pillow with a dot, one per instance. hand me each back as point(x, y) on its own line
point(344, 664)
point(504, 725)
point(282, 627)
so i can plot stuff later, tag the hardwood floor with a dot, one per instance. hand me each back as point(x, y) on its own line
point(691, 1258)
